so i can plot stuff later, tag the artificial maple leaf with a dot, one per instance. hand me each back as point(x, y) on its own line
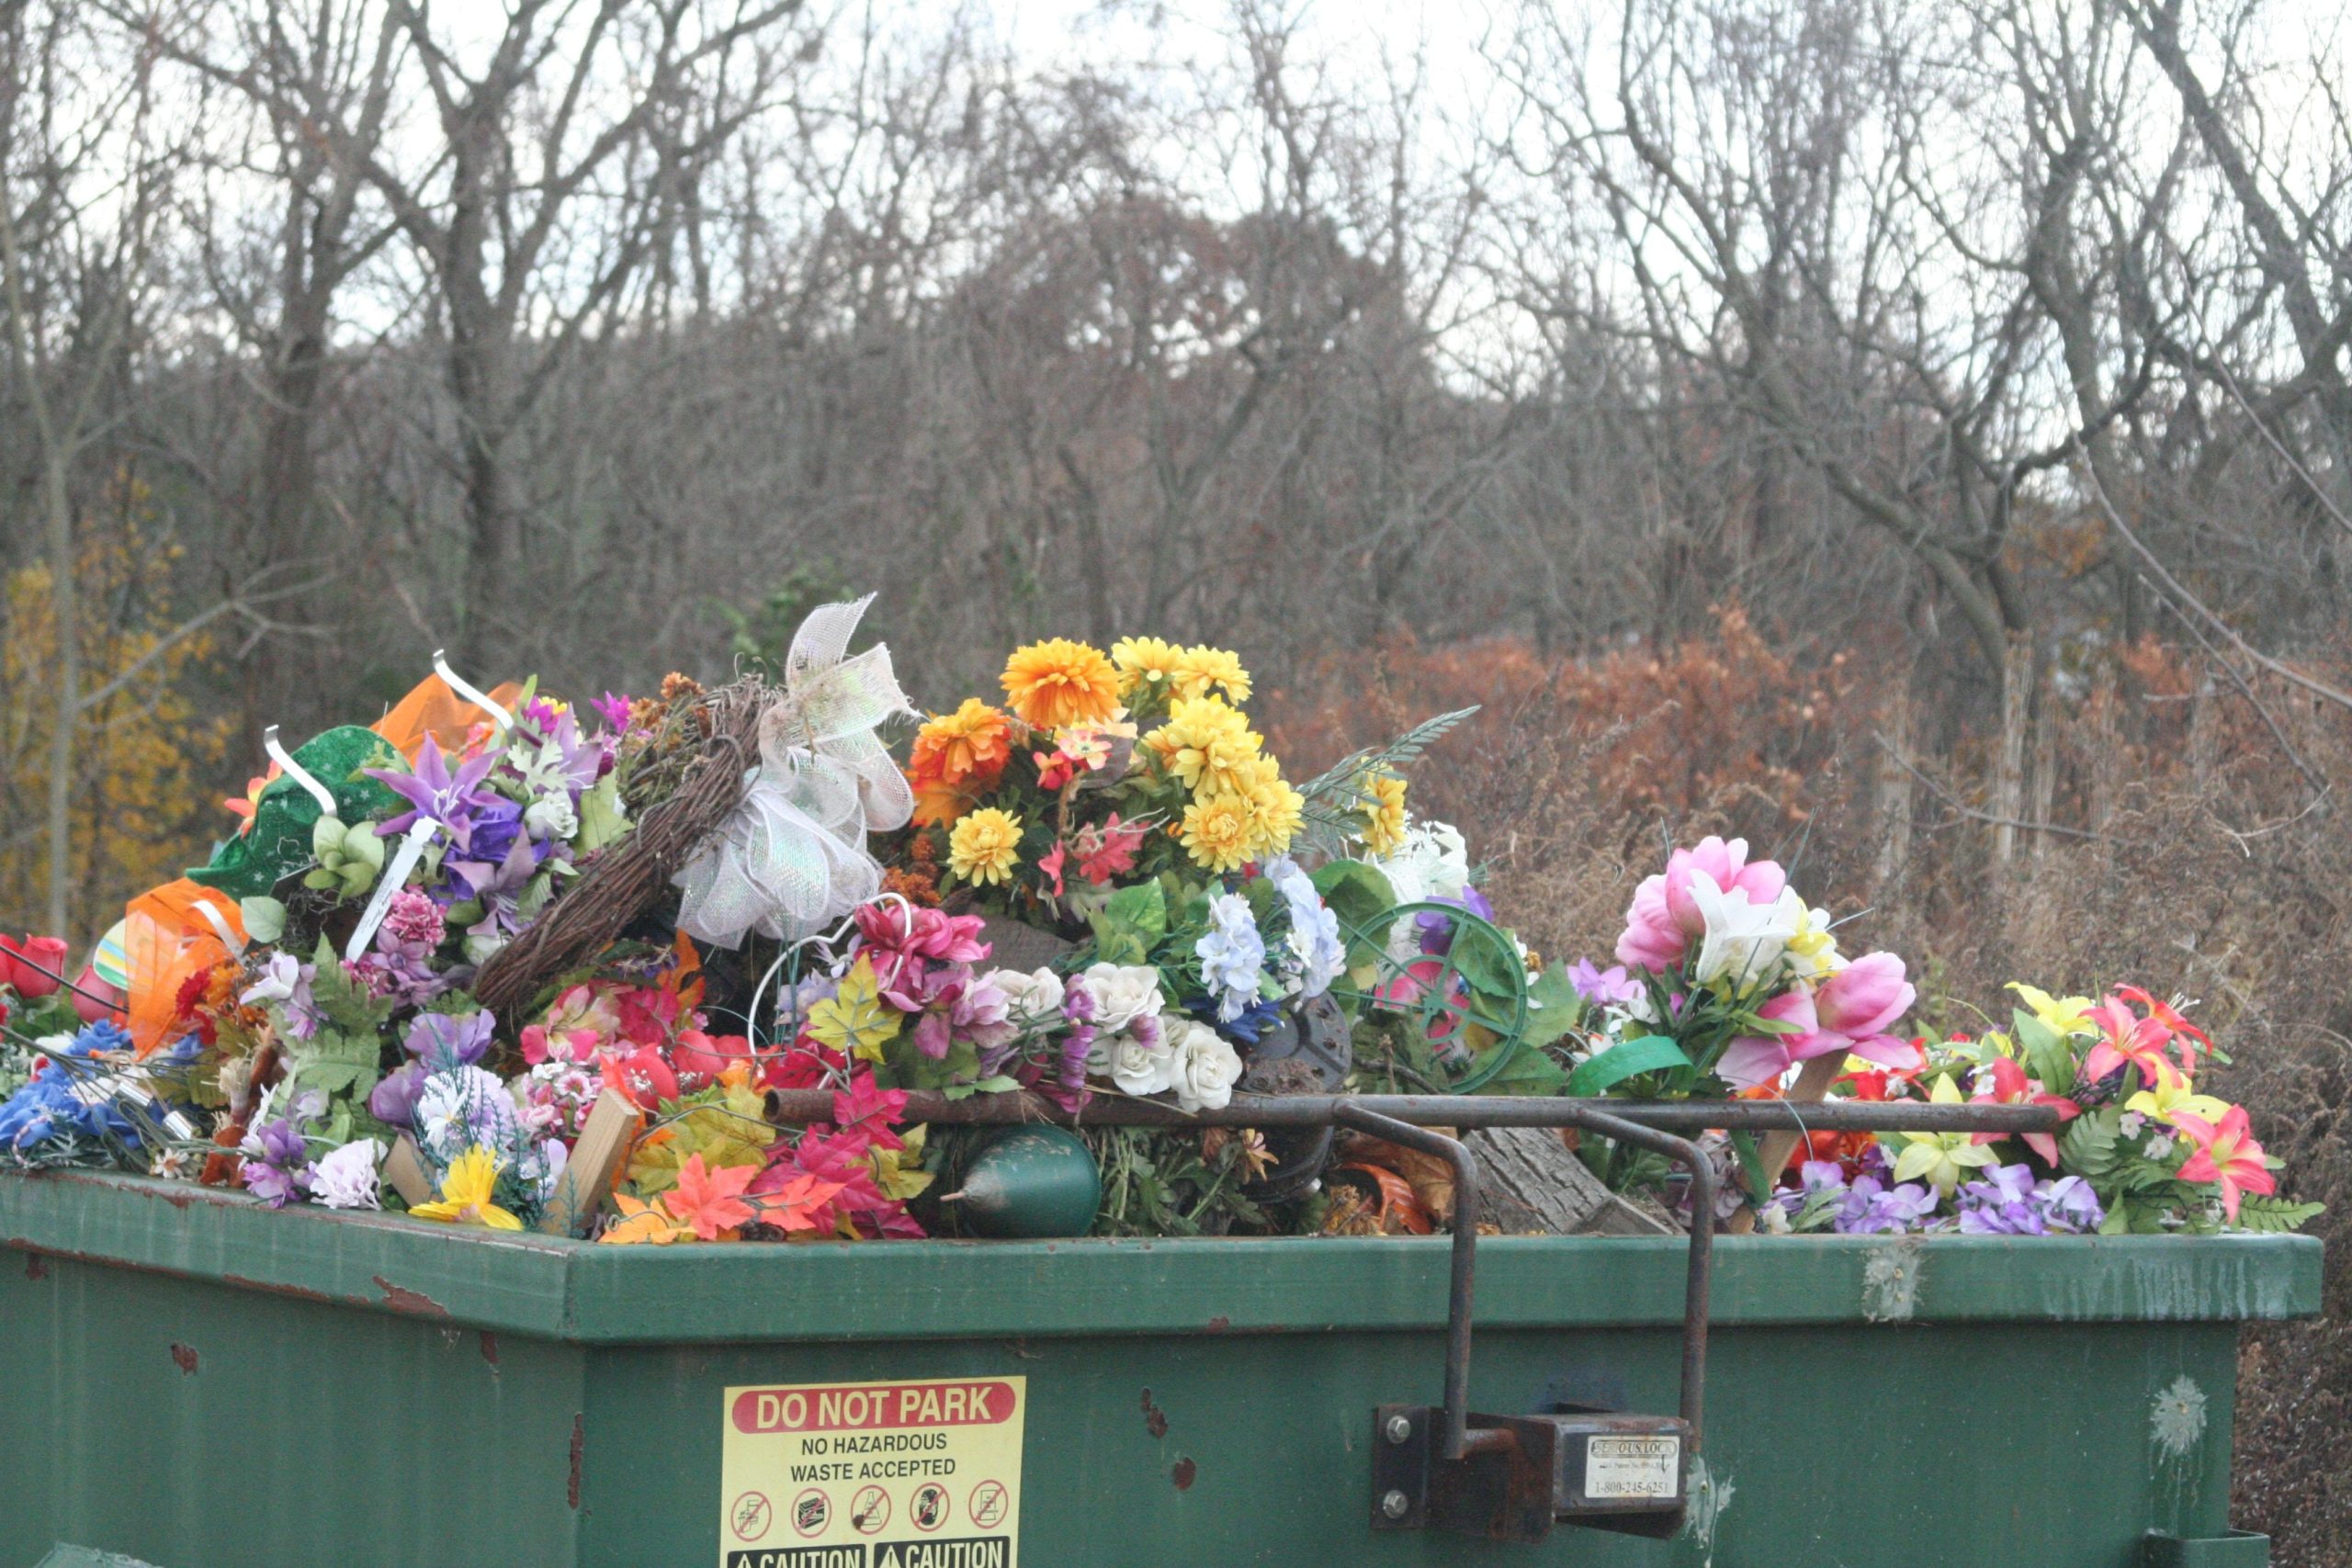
point(871, 1109)
point(854, 1020)
point(799, 1204)
point(899, 1171)
point(709, 1203)
point(642, 1221)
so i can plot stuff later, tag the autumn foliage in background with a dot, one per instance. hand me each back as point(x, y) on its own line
point(2189, 842)
point(149, 752)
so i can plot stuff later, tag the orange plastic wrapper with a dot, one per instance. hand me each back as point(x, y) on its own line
point(165, 940)
point(433, 709)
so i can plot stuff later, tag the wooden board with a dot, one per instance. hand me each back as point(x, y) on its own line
point(603, 1144)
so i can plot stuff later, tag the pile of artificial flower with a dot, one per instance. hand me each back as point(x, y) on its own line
point(299, 1017)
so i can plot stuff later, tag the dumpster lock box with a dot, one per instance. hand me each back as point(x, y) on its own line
point(191, 1381)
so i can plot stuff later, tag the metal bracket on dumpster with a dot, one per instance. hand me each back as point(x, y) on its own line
point(1513, 1477)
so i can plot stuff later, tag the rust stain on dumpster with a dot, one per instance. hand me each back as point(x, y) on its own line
point(184, 1357)
point(274, 1288)
point(35, 1268)
point(1185, 1474)
point(579, 1441)
point(399, 1298)
point(1155, 1419)
point(489, 1346)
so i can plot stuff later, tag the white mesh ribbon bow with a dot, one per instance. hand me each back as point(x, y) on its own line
point(792, 860)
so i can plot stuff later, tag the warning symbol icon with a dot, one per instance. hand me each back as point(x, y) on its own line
point(987, 1504)
point(929, 1506)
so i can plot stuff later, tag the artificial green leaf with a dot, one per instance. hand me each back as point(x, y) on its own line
point(1130, 923)
point(2087, 1146)
point(1554, 1008)
point(1486, 962)
point(603, 816)
point(264, 919)
point(2047, 1056)
point(1529, 1072)
point(2274, 1214)
point(1650, 1054)
point(1360, 896)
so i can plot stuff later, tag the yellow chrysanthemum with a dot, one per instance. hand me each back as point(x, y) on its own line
point(1384, 813)
point(1052, 684)
point(1216, 831)
point(1198, 668)
point(1276, 810)
point(1207, 744)
point(985, 846)
point(970, 743)
point(1147, 665)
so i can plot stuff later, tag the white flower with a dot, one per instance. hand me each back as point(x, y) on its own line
point(1207, 1068)
point(1232, 954)
point(461, 1106)
point(1745, 942)
point(551, 816)
point(346, 1179)
point(1138, 1068)
point(1035, 995)
point(1314, 938)
point(1123, 993)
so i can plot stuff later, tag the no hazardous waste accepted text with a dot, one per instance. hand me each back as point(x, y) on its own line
point(919, 1474)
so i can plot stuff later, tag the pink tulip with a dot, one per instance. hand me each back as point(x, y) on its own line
point(1651, 941)
point(1865, 998)
point(1753, 1059)
point(1727, 864)
point(1665, 917)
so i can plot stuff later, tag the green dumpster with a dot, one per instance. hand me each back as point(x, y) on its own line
point(191, 1381)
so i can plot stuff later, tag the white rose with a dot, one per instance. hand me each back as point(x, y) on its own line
point(1123, 993)
point(1138, 1068)
point(551, 817)
point(1035, 995)
point(1207, 1068)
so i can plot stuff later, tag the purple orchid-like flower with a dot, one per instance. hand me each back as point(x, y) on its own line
point(1603, 988)
point(442, 1041)
point(393, 1100)
point(432, 792)
point(277, 1167)
point(613, 710)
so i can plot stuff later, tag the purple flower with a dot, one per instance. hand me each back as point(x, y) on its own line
point(2069, 1204)
point(442, 1041)
point(432, 791)
point(1603, 988)
point(277, 1166)
point(613, 710)
point(393, 1100)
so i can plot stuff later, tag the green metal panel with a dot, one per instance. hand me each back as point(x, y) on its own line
point(2237, 1550)
point(223, 1387)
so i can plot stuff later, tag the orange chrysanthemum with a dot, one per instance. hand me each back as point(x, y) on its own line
point(1060, 683)
point(968, 746)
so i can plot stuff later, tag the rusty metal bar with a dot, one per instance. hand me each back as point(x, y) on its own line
point(1700, 1281)
point(1454, 1442)
point(800, 1107)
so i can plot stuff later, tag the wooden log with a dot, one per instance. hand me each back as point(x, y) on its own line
point(1535, 1184)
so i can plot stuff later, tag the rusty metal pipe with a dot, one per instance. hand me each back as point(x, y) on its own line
point(802, 1106)
point(1454, 1442)
point(1698, 1282)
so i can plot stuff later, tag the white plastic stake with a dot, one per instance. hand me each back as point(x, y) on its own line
point(396, 870)
point(469, 691)
point(299, 775)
